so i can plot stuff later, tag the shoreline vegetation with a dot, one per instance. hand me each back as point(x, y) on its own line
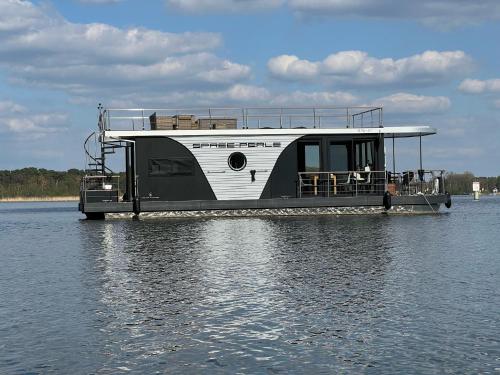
point(72, 198)
point(38, 184)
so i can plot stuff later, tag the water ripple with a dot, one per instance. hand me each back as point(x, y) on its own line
point(360, 294)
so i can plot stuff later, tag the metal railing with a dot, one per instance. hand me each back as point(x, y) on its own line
point(341, 183)
point(355, 183)
point(100, 188)
point(251, 118)
point(413, 182)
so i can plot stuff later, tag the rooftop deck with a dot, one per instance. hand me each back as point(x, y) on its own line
point(244, 118)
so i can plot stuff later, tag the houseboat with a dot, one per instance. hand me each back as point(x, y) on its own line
point(252, 161)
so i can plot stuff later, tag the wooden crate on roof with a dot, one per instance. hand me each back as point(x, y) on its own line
point(184, 122)
point(181, 122)
point(161, 122)
point(217, 123)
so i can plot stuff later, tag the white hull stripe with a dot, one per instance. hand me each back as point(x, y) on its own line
point(212, 153)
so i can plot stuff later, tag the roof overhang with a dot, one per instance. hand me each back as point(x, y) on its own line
point(386, 132)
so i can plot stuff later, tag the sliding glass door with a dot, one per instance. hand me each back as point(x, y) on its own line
point(339, 156)
point(309, 157)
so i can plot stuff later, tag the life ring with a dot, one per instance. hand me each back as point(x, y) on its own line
point(447, 203)
point(387, 200)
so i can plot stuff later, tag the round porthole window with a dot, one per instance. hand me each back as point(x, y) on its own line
point(237, 161)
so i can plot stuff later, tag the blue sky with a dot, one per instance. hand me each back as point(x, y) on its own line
point(429, 62)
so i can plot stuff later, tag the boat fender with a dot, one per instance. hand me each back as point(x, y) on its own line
point(447, 203)
point(387, 200)
point(136, 206)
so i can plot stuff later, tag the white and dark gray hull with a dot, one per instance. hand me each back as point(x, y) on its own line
point(190, 174)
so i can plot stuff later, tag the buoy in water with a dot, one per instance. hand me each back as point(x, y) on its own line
point(387, 200)
point(447, 203)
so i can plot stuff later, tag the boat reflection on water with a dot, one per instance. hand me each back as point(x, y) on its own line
point(240, 293)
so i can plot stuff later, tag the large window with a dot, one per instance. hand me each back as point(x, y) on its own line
point(339, 157)
point(364, 154)
point(311, 158)
point(171, 167)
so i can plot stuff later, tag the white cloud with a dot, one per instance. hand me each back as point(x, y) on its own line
point(290, 67)
point(202, 69)
point(238, 94)
point(10, 107)
point(415, 104)
point(19, 15)
point(476, 86)
point(15, 118)
point(321, 98)
point(100, 1)
point(247, 94)
point(241, 95)
point(358, 68)
point(438, 13)
point(199, 6)
point(41, 48)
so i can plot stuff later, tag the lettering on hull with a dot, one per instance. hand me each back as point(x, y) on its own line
point(237, 145)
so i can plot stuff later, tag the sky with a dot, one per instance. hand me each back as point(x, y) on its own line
point(429, 62)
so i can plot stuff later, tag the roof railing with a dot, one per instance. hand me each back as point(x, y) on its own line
point(249, 117)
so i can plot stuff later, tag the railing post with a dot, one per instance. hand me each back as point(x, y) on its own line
point(314, 117)
point(328, 185)
point(300, 186)
point(443, 182)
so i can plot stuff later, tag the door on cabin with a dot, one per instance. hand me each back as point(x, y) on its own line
point(309, 164)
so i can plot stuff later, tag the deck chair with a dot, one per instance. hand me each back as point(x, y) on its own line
point(367, 184)
point(407, 180)
point(344, 183)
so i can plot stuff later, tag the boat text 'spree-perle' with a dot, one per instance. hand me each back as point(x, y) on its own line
point(253, 161)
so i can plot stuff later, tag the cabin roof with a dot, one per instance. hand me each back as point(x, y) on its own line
point(387, 132)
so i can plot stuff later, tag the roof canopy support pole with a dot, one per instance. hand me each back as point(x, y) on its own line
point(421, 172)
point(393, 157)
point(420, 153)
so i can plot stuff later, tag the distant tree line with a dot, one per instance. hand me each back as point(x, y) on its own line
point(461, 183)
point(34, 182)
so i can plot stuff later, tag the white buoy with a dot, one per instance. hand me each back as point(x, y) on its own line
point(476, 187)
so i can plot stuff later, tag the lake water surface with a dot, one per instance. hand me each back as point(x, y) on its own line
point(348, 294)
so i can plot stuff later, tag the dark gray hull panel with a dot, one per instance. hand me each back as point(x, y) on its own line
point(417, 203)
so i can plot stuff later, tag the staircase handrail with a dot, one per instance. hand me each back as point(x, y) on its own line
point(93, 159)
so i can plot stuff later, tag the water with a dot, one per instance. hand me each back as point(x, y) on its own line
point(409, 294)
